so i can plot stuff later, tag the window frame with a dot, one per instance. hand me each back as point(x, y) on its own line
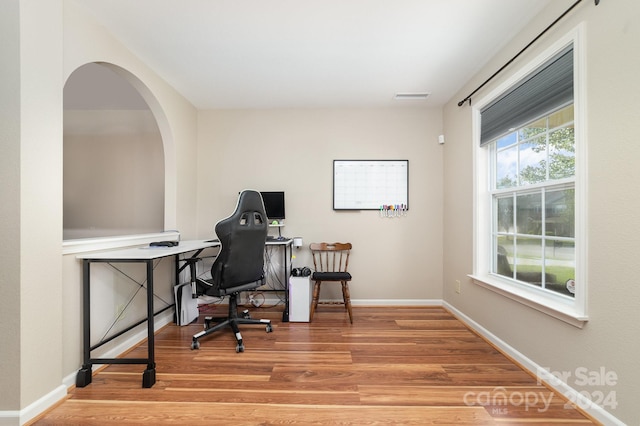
point(571, 310)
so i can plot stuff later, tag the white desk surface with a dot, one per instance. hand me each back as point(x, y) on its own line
point(282, 242)
point(147, 252)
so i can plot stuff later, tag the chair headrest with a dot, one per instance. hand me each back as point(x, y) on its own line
point(250, 200)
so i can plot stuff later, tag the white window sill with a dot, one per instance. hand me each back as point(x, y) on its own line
point(556, 306)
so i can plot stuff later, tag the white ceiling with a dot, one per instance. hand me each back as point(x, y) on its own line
point(314, 53)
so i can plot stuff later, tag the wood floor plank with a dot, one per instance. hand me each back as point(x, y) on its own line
point(123, 413)
point(456, 395)
point(431, 324)
point(392, 366)
point(417, 336)
point(296, 356)
point(361, 373)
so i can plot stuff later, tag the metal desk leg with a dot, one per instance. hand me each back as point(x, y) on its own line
point(149, 375)
point(285, 313)
point(83, 378)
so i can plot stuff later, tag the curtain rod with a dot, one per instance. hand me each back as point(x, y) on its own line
point(468, 98)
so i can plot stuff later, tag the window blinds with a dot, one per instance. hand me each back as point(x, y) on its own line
point(542, 91)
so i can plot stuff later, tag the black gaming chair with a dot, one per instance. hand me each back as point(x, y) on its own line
point(239, 265)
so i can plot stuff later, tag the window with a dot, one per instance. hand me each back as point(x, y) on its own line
point(529, 187)
point(532, 203)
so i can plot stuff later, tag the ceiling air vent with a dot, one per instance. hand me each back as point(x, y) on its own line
point(411, 96)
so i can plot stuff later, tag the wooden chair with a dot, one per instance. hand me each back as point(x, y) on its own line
point(330, 262)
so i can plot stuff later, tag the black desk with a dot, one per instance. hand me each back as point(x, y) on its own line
point(286, 245)
point(145, 255)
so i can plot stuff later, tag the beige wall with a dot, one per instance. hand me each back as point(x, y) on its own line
point(9, 199)
point(113, 173)
point(40, 200)
point(609, 339)
point(293, 150)
point(39, 310)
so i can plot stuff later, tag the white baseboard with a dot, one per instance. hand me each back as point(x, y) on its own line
point(9, 418)
point(14, 418)
point(595, 411)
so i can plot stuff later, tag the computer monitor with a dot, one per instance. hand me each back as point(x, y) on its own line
point(273, 204)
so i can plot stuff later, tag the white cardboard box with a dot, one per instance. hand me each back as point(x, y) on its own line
point(300, 296)
point(186, 305)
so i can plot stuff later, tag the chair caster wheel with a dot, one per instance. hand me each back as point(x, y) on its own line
point(195, 345)
point(245, 314)
point(239, 348)
point(269, 328)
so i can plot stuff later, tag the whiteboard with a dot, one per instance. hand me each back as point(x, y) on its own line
point(370, 184)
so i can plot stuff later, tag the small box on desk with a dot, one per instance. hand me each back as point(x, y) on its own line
point(300, 295)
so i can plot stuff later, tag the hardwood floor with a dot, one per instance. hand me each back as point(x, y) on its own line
point(393, 366)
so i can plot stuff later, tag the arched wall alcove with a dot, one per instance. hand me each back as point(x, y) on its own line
point(115, 155)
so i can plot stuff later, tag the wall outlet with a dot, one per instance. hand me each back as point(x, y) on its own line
point(458, 286)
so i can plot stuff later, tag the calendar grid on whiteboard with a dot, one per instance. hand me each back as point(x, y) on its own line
point(370, 184)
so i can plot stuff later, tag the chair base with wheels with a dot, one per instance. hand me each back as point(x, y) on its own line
point(232, 320)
